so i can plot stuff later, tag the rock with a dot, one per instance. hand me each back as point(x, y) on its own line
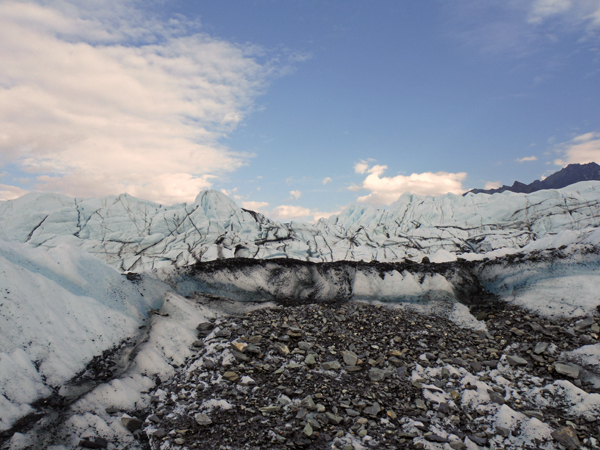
point(567, 437)
point(331, 365)
point(281, 348)
point(352, 412)
point(231, 376)
point(457, 445)
point(350, 358)
point(310, 359)
point(239, 356)
point(495, 397)
point(420, 404)
point(308, 430)
point(205, 326)
point(372, 410)
point(515, 360)
point(476, 366)
point(502, 431)
point(584, 323)
point(308, 403)
point(160, 433)
point(93, 442)
point(179, 441)
point(202, 419)
point(333, 418)
point(353, 368)
point(131, 423)
point(239, 346)
point(595, 328)
point(566, 370)
point(540, 348)
point(436, 438)
point(376, 374)
point(477, 440)
point(269, 409)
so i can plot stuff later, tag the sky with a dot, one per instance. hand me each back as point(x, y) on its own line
point(295, 109)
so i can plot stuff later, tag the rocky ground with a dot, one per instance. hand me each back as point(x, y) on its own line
point(355, 375)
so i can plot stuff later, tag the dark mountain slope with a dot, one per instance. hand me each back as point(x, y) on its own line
point(573, 173)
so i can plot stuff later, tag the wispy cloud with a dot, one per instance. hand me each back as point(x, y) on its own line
point(290, 212)
point(326, 180)
point(106, 100)
point(255, 206)
point(10, 192)
point(526, 158)
point(296, 194)
point(581, 149)
point(492, 185)
point(522, 27)
point(386, 190)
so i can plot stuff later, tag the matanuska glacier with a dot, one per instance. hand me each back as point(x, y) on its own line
point(439, 323)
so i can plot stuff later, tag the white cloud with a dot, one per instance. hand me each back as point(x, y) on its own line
point(324, 215)
point(492, 185)
point(327, 180)
point(386, 190)
point(291, 212)
point(542, 9)
point(581, 149)
point(526, 158)
point(296, 194)
point(255, 206)
point(107, 100)
point(10, 192)
point(361, 167)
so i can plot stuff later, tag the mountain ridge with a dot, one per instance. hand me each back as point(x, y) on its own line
point(573, 173)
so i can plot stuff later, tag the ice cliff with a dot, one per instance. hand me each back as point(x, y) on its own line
point(138, 235)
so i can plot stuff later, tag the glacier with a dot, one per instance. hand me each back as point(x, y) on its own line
point(66, 299)
point(138, 235)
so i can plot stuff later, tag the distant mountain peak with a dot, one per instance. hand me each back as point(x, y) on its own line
point(573, 173)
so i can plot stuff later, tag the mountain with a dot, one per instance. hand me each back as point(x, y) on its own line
point(138, 235)
point(573, 173)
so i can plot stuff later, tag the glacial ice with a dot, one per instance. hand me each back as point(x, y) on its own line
point(138, 235)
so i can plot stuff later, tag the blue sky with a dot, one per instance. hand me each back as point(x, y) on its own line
point(296, 109)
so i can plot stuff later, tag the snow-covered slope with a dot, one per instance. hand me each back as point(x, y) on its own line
point(58, 309)
point(138, 235)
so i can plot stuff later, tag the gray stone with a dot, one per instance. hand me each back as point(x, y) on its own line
point(281, 348)
point(372, 410)
point(308, 430)
point(94, 442)
point(420, 404)
point(352, 412)
point(269, 409)
point(495, 397)
point(202, 419)
point(584, 323)
point(515, 360)
point(540, 348)
point(477, 440)
point(566, 370)
point(131, 423)
point(436, 438)
point(502, 431)
point(331, 365)
point(457, 445)
point(333, 418)
point(308, 403)
point(160, 433)
point(567, 437)
point(310, 359)
point(350, 358)
point(376, 374)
